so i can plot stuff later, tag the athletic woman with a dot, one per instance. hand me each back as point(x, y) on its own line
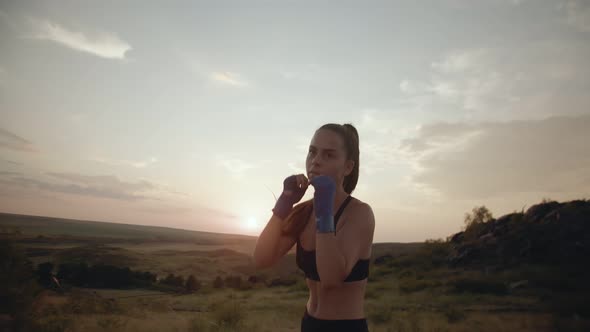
point(333, 232)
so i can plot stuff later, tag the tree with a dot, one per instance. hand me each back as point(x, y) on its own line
point(479, 215)
point(44, 272)
point(233, 281)
point(169, 280)
point(18, 286)
point(192, 284)
point(178, 281)
point(218, 283)
point(475, 223)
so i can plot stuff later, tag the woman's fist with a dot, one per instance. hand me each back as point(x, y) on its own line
point(294, 188)
point(323, 201)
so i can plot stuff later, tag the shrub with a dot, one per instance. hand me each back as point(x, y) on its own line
point(408, 285)
point(453, 315)
point(479, 286)
point(380, 314)
point(192, 284)
point(218, 282)
point(229, 314)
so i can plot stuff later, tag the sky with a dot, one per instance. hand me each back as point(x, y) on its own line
point(191, 114)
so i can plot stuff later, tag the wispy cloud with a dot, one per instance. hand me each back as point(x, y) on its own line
point(481, 160)
point(11, 141)
point(304, 72)
point(130, 163)
point(10, 162)
point(499, 82)
point(237, 166)
point(103, 186)
point(578, 14)
point(2, 75)
point(103, 44)
point(6, 173)
point(228, 78)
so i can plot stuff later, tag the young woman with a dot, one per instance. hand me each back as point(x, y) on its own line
point(333, 232)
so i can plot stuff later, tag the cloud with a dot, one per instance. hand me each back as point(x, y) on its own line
point(102, 44)
point(136, 164)
point(486, 159)
point(228, 78)
point(578, 14)
point(11, 162)
point(103, 186)
point(6, 173)
point(532, 81)
point(306, 72)
point(2, 75)
point(210, 71)
point(11, 141)
point(237, 166)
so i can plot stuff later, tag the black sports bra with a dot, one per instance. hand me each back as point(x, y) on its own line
point(306, 258)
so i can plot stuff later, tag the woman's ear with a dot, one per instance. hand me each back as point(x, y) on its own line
point(349, 167)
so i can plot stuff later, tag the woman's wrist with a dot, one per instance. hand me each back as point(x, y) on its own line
point(283, 207)
point(325, 224)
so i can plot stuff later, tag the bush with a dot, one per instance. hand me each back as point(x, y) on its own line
point(53, 323)
point(228, 314)
point(409, 285)
point(381, 314)
point(233, 282)
point(19, 286)
point(454, 315)
point(218, 282)
point(198, 324)
point(192, 284)
point(479, 286)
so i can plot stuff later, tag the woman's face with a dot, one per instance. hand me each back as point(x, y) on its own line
point(327, 156)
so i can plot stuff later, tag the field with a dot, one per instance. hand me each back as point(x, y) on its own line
point(407, 290)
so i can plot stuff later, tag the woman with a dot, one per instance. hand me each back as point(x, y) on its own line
point(333, 249)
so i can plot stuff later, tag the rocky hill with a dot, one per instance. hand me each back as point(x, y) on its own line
point(547, 233)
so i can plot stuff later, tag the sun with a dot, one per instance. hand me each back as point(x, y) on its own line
point(251, 223)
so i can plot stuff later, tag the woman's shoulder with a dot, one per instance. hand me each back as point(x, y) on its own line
point(359, 204)
point(361, 209)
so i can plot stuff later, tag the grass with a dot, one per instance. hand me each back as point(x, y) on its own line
point(411, 291)
point(280, 309)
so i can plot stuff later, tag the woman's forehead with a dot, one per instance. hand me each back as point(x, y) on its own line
point(326, 140)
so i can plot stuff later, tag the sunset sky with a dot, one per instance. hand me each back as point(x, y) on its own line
point(190, 114)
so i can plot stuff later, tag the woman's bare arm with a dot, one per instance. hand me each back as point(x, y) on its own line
point(271, 245)
point(334, 262)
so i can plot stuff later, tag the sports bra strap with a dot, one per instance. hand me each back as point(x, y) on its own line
point(340, 210)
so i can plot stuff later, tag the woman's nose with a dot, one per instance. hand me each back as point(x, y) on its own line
point(315, 160)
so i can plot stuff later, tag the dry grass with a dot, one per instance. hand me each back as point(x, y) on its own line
point(281, 309)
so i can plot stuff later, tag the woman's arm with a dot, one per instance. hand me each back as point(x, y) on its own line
point(334, 261)
point(271, 245)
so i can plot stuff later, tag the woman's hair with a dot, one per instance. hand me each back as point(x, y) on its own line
point(297, 219)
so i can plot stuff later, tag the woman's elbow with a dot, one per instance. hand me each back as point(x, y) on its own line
point(262, 261)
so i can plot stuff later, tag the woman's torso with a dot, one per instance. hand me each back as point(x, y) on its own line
point(346, 302)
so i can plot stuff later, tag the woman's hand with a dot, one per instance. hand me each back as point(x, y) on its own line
point(323, 200)
point(294, 187)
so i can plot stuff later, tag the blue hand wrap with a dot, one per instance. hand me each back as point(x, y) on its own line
point(323, 200)
point(325, 224)
point(284, 205)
